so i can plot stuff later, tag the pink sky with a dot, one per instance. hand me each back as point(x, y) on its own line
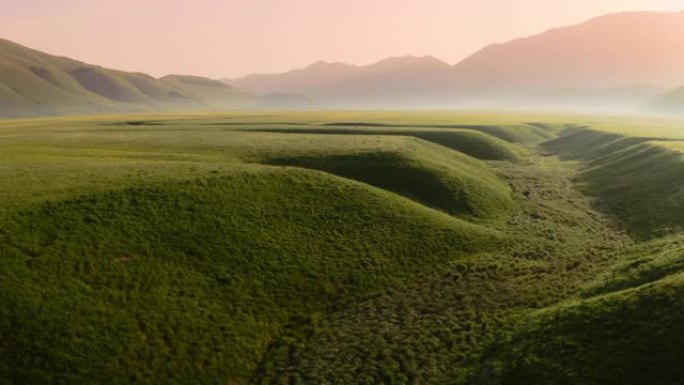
point(219, 38)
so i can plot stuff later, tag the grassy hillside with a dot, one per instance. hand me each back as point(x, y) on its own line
point(33, 83)
point(637, 178)
point(340, 247)
point(430, 174)
point(623, 326)
point(434, 328)
point(626, 329)
point(153, 248)
point(474, 143)
point(190, 280)
point(206, 92)
point(451, 181)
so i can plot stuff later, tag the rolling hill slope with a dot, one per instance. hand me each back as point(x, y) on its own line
point(341, 247)
point(160, 250)
point(637, 177)
point(34, 83)
point(163, 280)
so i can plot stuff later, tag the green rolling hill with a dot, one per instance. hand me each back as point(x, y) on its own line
point(340, 247)
point(33, 83)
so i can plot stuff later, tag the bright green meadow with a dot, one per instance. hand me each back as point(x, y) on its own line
point(342, 248)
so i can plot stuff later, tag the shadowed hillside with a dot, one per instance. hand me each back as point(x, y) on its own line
point(637, 178)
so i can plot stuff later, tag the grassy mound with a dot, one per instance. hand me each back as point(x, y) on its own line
point(72, 156)
point(188, 281)
point(517, 133)
point(476, 144)
point(514, 133)
point(424, 172)
point(584, 143)
point(636, 179)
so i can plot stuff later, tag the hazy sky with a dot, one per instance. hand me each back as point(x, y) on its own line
point(220, 38)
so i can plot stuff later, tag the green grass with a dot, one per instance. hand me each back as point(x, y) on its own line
point(641, 265)
point(636, 179)
point(340, 247)
point(470, 142)
point(139, 250)
point(627, 329)
point(430, 174)
point(623, 326)
point(434, 328)
point(190, 280)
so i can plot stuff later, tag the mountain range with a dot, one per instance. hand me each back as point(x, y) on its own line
point(623, 60)
point(394, 81)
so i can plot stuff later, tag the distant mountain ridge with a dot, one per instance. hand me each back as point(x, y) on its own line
point(394, 80)
point(616, 50)
point(624, 61)
point(616, 59)
point(671, 101)
point(33, 83)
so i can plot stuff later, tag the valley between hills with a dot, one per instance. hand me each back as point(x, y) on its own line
point(341, 248)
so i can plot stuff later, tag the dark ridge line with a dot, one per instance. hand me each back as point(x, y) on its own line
point(313, 131)
point(363, 124)
point(351, 131)
point(140, 123)
point(259, 124)
point(334, 124)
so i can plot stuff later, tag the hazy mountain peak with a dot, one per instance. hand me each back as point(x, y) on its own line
point(322, 64)
point(612, 50)
point(410, 61)
point(346, 81)
point(197, 80)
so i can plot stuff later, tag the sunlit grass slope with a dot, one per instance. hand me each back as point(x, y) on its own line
point(342, 248)
point(470, 142)
point(434, 328)
point(637, 178)
point(427, 173)
point(116, 151)
point(165, 250)
point(625, 325)
point(190, 280)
